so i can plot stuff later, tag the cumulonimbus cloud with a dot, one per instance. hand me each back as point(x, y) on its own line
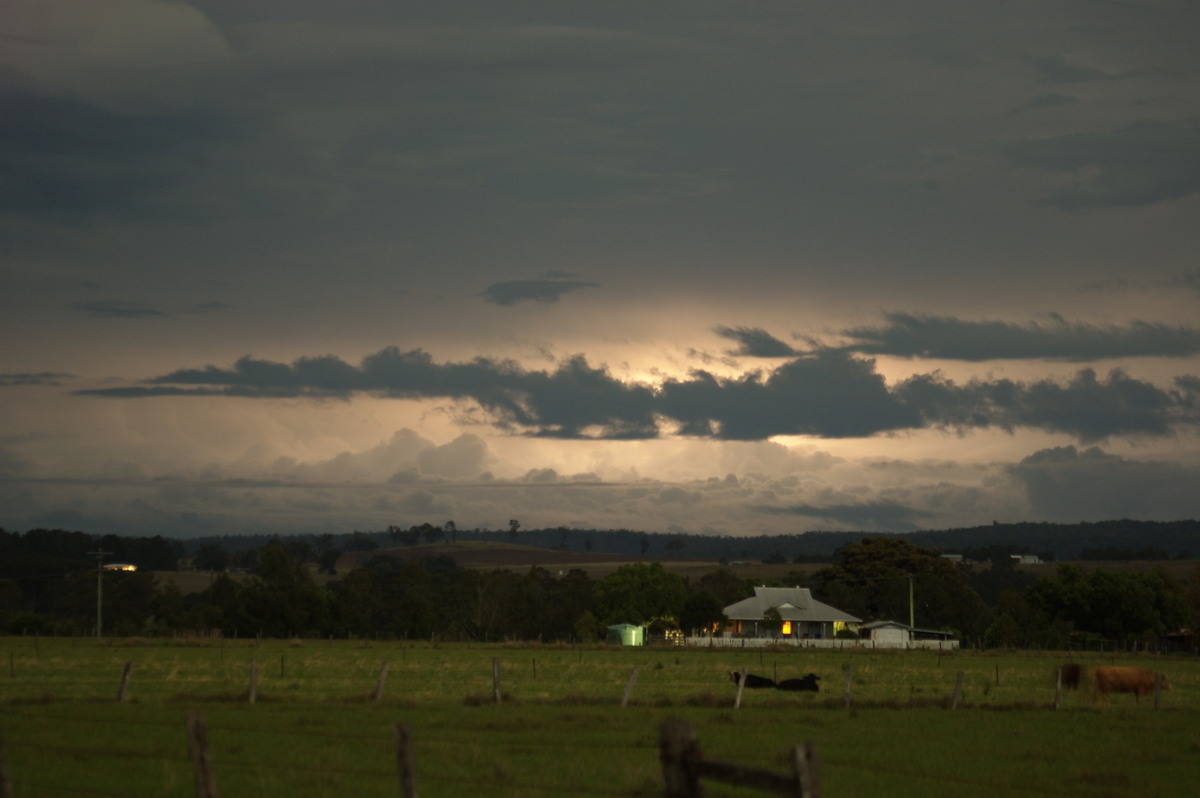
point(827, 394)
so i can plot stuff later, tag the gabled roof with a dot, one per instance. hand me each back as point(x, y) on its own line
point(793, 603)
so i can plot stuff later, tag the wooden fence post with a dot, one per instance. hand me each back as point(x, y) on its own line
point(677, 753)
point(849, 671)
point(405, 761)
point(957, 695)
point(383, 668)
point(5, 783)
point(806, 770)
point(496, 678)
point(206, 787)
point(1157, 688)
point(737, 701)
point(124, 682)
point(629, 686)
point(1057, 687)
point(253, 694)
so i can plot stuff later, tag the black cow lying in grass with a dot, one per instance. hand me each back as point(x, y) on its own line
point(752, 680)
point(807, 684)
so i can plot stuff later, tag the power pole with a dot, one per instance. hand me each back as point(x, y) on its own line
point(100, 554)
point(911, 621)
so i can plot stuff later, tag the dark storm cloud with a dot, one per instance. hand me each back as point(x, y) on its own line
point(828, 394)
point(755, 342)
point(117, 309)
point(1140, 164)
point(1053, 100)
point(1056, 69)
point(38, 378)
point(870, 515)
point(65, 156)
point(542, 290)
point(949, 338)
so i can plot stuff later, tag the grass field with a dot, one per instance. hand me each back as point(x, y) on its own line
point(316, 730)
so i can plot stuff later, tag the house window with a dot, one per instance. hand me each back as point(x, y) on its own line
point(787, 627)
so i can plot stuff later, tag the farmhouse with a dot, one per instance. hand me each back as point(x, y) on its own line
point(800, 616)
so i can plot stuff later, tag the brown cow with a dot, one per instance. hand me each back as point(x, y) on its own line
point(1127, 679)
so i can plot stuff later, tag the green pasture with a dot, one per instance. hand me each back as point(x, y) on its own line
point(316, 730)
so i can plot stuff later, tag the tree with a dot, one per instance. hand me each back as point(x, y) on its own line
point(871, 579)
point(211, 557)
point(513, 526)
point(638, 592)
point(702, 612)
point(1117, 606)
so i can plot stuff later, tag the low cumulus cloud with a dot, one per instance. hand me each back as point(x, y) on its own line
point(118, 309)
point(19, 378)
point(945, 337)
point(546, 289)
point(1069, 484)
point(827, 394)
point(755, 342)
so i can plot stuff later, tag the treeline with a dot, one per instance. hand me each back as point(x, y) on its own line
point(1051, 542)
point(434, 598)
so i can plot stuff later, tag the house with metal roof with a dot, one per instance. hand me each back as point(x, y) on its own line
point(800, 616)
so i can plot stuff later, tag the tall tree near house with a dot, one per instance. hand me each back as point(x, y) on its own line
point(877, 578)
point(638, 592)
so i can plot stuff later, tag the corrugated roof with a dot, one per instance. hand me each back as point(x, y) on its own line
point(793, 603)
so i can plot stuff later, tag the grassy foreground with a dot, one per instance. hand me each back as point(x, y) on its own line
point(315, 728)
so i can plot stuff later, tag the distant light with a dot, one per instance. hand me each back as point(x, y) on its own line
point(120, 566)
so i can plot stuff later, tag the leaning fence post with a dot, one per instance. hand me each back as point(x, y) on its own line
point(253, 694)
point(383, 668)
point(206, 787)
point(124, 682)
point(629, 686)
point(737, 701)
point(806, 770)
point(405, 761)
point(496, 678)
point(954, 699)
point(677, 752)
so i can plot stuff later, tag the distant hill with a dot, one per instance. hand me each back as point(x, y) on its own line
point(1159, 539)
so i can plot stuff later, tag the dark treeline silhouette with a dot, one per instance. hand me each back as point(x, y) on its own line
point(50, 581)
point(1062, 542)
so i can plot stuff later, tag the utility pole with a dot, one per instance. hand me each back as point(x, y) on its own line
point(911, 621)
point(100, 554)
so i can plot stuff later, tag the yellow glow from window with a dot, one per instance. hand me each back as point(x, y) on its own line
point(787, 627)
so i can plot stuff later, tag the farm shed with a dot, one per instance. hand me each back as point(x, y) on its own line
point(802, 615)
point(893, 634)
point(886, 633)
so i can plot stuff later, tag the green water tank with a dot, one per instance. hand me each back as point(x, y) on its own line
point(626, 634)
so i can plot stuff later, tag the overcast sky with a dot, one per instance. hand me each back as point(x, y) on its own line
point(735, 267)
